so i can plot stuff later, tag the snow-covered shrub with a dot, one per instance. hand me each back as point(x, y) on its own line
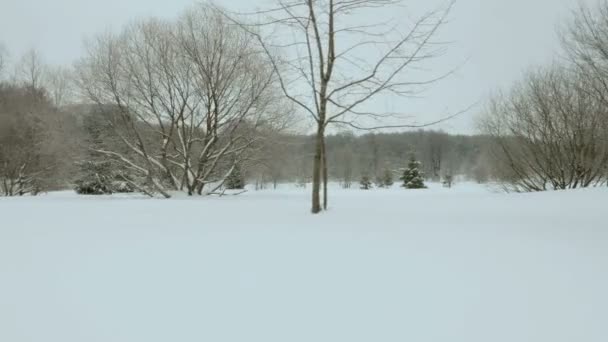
point(365, 183)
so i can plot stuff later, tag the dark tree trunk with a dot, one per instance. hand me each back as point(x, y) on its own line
point(324, 161)
point(316, 169)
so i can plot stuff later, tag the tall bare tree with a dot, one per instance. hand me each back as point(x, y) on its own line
point(585, 40)
point(59, 84)
point(3, 60)
point(31, 69)
point(337, 55)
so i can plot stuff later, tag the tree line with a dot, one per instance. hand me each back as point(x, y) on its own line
point(374, 155)
point(208, 100)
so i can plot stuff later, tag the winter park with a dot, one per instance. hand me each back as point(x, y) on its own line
point(298, 170)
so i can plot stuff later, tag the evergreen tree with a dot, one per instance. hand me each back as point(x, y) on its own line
point(412, 176)
point(365, 183)
point(97, 174)
point(235, 179)
point(95, 178)
point(93, 172)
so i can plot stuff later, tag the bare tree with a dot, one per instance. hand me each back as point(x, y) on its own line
point(59, 84)
point(31, 69)
point(585, 40)
point(550, 132)
point(3, 60)
point(190, 96)
point(335, 60)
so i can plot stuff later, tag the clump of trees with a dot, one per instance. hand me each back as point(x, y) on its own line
point(550, 131)
point(163, 106)
point(21, 139)
point(187, 99)
point(36, 140)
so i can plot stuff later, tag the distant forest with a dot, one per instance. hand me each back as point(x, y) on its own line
point(199, 105)
point(351, 157)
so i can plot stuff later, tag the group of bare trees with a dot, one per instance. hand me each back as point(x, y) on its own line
point(20, 142)
point(36, 139)
point(164, 105)
point(189, 99)
point(551, 130)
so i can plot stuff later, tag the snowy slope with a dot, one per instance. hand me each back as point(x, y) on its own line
point(457, 265)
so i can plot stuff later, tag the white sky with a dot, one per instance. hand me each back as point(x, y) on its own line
point(500, 39)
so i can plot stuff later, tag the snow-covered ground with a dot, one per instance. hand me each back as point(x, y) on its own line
point(455, 265)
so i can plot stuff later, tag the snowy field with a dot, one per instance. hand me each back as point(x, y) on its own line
point(455, 265)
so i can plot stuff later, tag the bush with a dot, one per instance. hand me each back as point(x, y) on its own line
point(365, 183)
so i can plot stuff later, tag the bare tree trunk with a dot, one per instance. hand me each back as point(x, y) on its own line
point(316, 170)
point(324, 161)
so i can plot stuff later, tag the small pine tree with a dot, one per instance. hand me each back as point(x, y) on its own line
point(412, 176)
point(99, 177)
point(235, 179)
point(98, 174)
point(387, 178)
point(95, 178)
point(365, 183)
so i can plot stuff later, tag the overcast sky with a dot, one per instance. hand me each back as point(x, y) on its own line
point(499, 39)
